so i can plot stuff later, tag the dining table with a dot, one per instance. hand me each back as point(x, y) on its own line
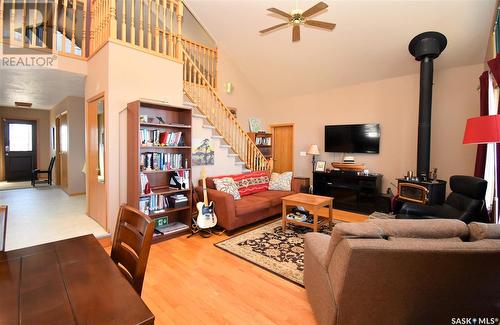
point(71, 281)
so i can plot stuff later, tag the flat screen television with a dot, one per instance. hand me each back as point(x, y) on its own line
point(352, 138)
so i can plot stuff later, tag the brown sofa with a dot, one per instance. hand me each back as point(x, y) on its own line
point(232, 214)
point(403, 272)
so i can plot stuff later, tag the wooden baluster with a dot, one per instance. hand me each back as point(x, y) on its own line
point(149, 25)
point(12, 23)
point(164, 38)
point(141, 24)
point(65, 16)
point(97, 24)
point(34, 26)
point(180, 10)
point(84, 29)
point(113, 24)
point(132, 22)
point(170, 35)
point(124, 20)
point(23, 28)
point(157, 27)
point(93, 27)
point(73, 24)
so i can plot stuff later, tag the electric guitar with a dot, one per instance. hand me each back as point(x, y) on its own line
point(206, 215)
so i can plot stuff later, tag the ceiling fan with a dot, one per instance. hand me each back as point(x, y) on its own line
point(298, 17)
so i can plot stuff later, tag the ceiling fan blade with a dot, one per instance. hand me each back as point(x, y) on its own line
point(272, 28)
point(320, 24)
point(296, 33)
point(314, 9)
point(280, 12)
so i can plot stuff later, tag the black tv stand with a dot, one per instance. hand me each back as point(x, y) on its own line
point(351, 191)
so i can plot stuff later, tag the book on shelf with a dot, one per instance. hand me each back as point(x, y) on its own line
point(170, 228)
point(145, 186)
point(154, 203)
point(161, 161)
point(157, 138)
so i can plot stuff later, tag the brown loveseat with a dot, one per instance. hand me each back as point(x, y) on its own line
point(403, 272)
point(232, 214)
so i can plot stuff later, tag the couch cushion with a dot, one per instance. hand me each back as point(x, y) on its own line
point(428, 228)
point(227, 185)
point(281, 182)
point(479, 231)
point(251, 203)
point(250, 183)
point(274, 196)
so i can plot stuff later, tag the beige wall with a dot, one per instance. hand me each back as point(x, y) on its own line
point(75, 109)
point(245, 98)
point(43, 133)
point(394, 104)
point(126, 75)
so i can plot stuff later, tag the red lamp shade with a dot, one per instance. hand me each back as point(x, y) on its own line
point(483, 129)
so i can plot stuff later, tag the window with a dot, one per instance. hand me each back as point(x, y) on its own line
point(20, 137)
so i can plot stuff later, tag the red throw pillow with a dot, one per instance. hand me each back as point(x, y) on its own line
point(250, 183)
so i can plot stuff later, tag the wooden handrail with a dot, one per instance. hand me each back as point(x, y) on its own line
point(204, 95)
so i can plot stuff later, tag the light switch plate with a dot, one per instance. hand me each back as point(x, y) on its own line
point(303, 154)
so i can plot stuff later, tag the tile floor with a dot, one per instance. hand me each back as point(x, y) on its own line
point(45, 214)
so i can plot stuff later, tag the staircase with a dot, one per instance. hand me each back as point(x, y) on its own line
point(203, 95)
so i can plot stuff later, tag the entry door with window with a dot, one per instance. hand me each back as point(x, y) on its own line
point(19, 149)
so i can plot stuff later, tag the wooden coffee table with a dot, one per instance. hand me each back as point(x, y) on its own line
point(312, 203)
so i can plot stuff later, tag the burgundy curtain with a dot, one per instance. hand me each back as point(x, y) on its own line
point(483, 110)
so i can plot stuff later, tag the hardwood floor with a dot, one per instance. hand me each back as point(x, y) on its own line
point(191, 281)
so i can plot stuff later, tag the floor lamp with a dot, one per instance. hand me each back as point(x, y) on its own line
point(482, 130)
point(313, 151)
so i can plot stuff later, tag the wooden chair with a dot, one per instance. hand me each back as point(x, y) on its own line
point(36, 172)
point(131, 244)
point(3, 226)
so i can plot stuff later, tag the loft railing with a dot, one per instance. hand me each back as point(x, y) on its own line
point(153, 26)
point(201, 92)
point(205, 59)
point(42, 24)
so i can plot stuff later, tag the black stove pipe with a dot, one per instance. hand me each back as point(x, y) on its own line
point(425, 48)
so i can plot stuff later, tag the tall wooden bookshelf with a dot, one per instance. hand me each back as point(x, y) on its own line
point(155, 117)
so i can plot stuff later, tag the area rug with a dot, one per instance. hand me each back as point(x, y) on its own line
point(272, 249)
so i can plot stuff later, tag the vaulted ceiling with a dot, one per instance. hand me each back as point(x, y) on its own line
point(369, 43)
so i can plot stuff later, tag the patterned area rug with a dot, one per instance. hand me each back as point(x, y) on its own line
point(272, 249)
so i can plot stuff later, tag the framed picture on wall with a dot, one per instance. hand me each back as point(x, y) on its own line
point(53, 138)
point(320, 166)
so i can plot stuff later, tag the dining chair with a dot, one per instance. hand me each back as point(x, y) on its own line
point(131, 244)
point(36, 172)
point(3, 226)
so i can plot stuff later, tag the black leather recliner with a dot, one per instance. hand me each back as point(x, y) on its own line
point(465, 203)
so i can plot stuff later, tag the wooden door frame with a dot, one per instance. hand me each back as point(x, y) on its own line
point(36, 143)
point(272, 126)
point(58, 146)
point(87, 153)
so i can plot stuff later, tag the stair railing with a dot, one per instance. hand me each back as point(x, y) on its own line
point(205, 59)
point(203, 94)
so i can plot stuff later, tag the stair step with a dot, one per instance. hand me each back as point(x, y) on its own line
point(217, 137)
point(206, 126)
point(225, 146)
point(240, 163)
point(246, 170)
point(199, 115)
point(232, 154)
